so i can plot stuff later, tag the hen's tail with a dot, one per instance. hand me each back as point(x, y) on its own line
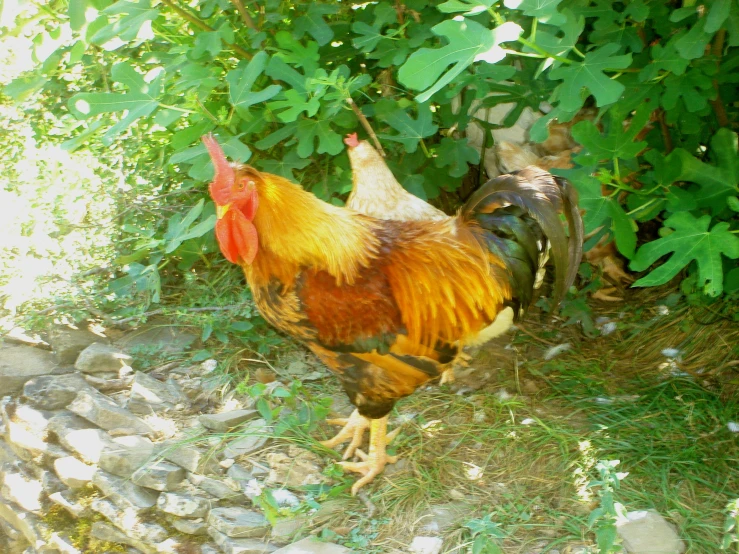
point(519, 216)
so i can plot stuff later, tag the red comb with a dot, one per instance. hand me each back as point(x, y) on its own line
point(223, 181)
point(351, 140)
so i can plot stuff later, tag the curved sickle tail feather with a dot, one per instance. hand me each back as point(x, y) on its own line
point(520, 219)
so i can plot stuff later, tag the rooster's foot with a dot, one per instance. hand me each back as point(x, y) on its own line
point(354, 427)
point(373, 463)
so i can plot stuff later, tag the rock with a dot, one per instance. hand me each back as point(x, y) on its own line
point(190, 526)
point(87, 444)
point(438, 519)
point(647, 532)
point(216, 487)
point(123, 493)
point(64, 499)
point(19, 364)
point(229, 545)
point(220, 423)
point(103, 412)
point(63, 544)
point(312, 545)
point(161, 339)
point(128, 521)
point(26, 429)
point(160, 476)
point(256, 433)
point(193, 458)
point(283, 531)
point(297, 468)
point(25, 523)
point(122, 456)
point(67, 343)
point(16, 486)
point(183, 505)
point(425, 545)
point(54, 392)
point(73, 473)
point(106, 532)
point(101, 358)
point(238, 522)
point(239, 474)
point(151, 395)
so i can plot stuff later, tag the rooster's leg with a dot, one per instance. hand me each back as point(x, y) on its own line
point(354, 428)
point(373, 463)
point(460, 360)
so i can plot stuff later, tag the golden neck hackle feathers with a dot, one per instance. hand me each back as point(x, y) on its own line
point(296, 229)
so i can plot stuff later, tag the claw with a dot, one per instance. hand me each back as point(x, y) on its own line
point(374, 462)
point(354, 427)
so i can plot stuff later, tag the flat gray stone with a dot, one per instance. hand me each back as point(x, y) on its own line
point(19, 364)
point(72, 472)
point(27, 524)
point(65, 500)
point(63, 544)
point(190, 526)
point(26, 429)
point(439, 518)
point(122, 456)
point(128, 521)
point(54, 392)
point(151, 395)
point(217, 487)
point(194, 459)
point(183, 505)
point(256, 433)
point(123, 493)
point(102, 358)
point(283, 531)
point(159, 476)
point(230, 545)
point(220, 423)
point(298, 467)
point(67, 343)
point(106, 532)
point(647, 532)
point(160, 338)
point(312, 545)
point(426, 545)
point(103, 412)
point(238, 522)
point(18, 487)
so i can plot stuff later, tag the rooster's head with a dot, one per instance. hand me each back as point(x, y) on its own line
point(234, 191)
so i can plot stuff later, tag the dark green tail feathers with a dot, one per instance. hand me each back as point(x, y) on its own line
point(520, 217)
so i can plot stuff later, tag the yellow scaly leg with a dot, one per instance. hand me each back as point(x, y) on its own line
point(373, 463)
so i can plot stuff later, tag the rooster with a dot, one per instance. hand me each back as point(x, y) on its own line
point(376, 192)
point(386, 305)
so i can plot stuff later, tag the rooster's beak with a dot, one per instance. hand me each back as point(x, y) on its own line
point(221, 210)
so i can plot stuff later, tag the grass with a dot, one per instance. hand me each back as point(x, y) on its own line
point(515, 445)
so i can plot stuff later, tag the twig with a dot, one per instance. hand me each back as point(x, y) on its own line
point(532, 335)
point(366, 125)
point(248, 21)
point(55, 307)
point(666, 136)
point(166, 310)
point(195, 20)
point(371, 508)
point(717, 49)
